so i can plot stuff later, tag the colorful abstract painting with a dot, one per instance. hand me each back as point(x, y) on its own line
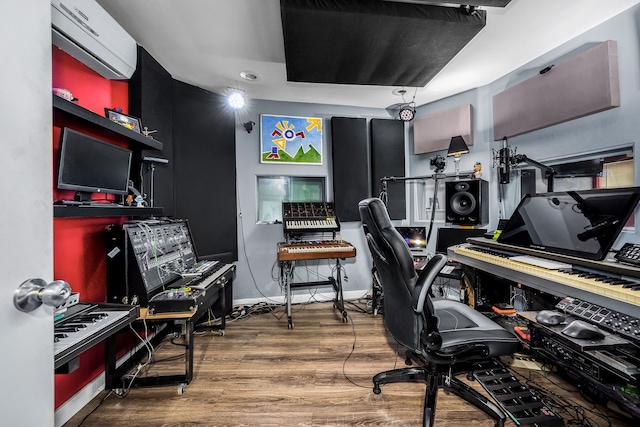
point(286, 139)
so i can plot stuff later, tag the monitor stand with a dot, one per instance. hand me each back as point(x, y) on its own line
point(83, 197)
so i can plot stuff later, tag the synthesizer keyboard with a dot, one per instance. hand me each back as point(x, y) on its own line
point(308, 217)
point(86, 324)
point(191, 295)
point(315, 250)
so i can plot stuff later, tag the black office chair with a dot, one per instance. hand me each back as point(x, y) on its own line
point(444, 337)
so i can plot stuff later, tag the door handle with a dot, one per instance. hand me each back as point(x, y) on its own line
point(34, 292)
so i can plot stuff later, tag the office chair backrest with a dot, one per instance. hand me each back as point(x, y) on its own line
point(406, 316)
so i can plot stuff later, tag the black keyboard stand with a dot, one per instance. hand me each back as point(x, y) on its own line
point(182, 323)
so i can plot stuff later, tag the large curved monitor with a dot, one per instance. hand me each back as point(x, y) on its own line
point(578, 223)
point(89, 165)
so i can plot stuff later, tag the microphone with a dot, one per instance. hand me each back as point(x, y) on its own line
point(597, 230)
point(503, 169)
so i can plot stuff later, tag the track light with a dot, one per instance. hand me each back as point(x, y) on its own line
point(407, 113)
point(236, 99)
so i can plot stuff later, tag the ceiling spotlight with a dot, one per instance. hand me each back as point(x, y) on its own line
point(236, 99)
point(407, 113)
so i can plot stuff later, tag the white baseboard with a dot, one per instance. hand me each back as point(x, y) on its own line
point(303, 298)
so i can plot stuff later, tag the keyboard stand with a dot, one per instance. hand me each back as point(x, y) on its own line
point(286, 273)
point(180, 322)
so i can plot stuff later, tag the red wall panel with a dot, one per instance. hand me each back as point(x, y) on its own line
point(79, 246)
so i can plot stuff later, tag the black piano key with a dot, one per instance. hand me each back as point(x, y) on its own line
point(65, 328)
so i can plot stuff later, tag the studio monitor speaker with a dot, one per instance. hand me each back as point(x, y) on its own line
point(467, 202)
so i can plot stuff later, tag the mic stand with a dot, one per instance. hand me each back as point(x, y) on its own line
point(550, 172)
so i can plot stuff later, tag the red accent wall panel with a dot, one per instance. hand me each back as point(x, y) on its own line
point(584, 84)
point(79, 243)
point(433, 132)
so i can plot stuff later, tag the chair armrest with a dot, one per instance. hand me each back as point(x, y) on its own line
point(425, 280)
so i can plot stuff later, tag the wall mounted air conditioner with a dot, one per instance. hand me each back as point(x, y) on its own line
point(84, 30)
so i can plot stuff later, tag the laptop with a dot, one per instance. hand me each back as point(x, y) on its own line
point(450, 237)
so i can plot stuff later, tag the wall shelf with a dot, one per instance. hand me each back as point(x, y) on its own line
point(65, 211)
point(63, 106)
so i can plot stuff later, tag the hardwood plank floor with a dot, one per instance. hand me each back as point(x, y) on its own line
point(318, 374)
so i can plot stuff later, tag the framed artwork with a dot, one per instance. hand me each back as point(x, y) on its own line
point(130, 122)
point(294, 140)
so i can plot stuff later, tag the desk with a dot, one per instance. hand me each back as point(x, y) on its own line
point(181, 322)
point(289, 253)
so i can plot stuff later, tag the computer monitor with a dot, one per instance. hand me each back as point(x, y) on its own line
point(455, 236)
point(89, 165)
point(583, 223)
point(416, 238)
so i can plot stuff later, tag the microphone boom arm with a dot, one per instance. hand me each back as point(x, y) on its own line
point(550, 172)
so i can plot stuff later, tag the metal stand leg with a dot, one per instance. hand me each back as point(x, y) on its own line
point(338, 303)
point(286, 271)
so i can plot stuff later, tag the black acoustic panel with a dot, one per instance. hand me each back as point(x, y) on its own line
point(204, 168)
point(368, 42)
point(467, 201)
point(387, 160)
point(150, 99)
point(349, 149)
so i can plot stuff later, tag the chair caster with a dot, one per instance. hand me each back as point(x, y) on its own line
point(376, 388)
point(408, 361)
point(470, 376)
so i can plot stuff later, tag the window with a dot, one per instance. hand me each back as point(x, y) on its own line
point(273, 190)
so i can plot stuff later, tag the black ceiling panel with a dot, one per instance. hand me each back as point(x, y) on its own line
point(490, 3)
point(372, 42)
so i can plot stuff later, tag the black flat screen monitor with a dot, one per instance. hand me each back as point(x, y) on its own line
point(583, 224)
point(416, 238)
point(455, 236)
point(89, 165)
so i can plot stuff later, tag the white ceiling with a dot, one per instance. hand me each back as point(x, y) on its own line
point(208, 43)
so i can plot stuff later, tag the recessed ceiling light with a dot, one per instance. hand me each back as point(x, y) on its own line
point(399, 92)
point(249, 75)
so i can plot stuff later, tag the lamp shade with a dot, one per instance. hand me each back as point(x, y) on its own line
point(457, 146)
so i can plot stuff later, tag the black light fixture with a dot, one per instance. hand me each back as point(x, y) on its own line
point(407, 113)
point(457, 147)
point(248, 126)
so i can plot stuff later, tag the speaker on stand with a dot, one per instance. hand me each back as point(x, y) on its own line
point(467, 202)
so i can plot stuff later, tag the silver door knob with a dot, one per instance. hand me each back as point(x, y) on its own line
point(34, 292)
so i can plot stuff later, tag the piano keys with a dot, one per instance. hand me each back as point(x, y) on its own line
point(291, 251)
point(603, 283)
point(83, 325)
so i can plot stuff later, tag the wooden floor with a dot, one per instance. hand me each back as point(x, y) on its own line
point(318, 374)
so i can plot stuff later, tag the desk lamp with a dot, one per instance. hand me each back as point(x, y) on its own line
point(457, 147)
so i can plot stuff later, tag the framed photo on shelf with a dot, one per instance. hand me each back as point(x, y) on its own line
point(130, 122)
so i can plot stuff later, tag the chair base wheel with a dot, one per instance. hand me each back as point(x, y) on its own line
point(376, 389)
